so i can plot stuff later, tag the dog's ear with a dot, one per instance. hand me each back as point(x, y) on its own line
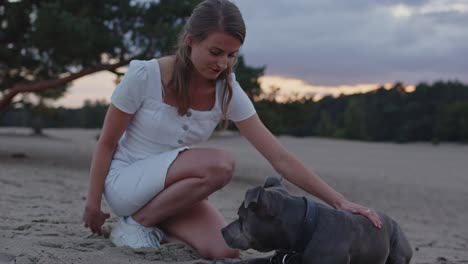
point(272, 182)
point(252, 196)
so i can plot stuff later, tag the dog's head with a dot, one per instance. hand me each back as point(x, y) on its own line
point(263, 222)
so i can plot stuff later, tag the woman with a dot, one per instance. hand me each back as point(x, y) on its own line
point(143, 163)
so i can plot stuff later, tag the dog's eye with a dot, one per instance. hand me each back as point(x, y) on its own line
point(263, 213)
point(253, 207)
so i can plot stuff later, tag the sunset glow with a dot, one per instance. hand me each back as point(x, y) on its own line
point(290, 88)
point(100, 86)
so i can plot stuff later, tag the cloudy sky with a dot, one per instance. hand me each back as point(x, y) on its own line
point(338, 42)
point(339, 45)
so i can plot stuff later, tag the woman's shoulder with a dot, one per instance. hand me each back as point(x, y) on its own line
point(141, 70)
point(166, 68)
point(166, 61)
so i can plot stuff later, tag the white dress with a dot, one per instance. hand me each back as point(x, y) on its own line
point(156, 134)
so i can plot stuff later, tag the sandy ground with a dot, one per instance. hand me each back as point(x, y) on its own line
point(43, 183)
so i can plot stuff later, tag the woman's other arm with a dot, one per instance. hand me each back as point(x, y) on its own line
point(115, 123)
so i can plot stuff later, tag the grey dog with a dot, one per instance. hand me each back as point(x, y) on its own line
point(303, 231)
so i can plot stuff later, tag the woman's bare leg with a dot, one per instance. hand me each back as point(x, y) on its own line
point(179, 208)
point(200, 227)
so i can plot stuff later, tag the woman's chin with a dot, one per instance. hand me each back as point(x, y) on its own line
point(212, 76)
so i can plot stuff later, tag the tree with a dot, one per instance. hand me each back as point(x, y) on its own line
point(355, 120)
point(44, 45)
point(326, 128)
point(248, 78)
point(452, 122)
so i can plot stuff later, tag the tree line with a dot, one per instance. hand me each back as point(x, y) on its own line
point(432, 112)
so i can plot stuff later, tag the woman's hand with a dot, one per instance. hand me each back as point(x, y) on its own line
point(359, 209)
point(94, 218)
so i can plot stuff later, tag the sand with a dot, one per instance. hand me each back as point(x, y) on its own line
point(43, 183)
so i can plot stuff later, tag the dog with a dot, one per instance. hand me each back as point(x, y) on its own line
point(303, 231)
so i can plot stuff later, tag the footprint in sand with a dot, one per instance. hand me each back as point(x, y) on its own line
point(7, 182)
point(42, 220)
point(22, 227)
point(50, 244)
point(6, 258)
point(95, 245)
point(170, 252)
point(48, 235)
point(23, 259)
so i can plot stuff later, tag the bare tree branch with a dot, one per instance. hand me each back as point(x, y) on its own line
point(10, 93)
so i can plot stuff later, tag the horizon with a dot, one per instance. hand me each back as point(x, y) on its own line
point(101, 85)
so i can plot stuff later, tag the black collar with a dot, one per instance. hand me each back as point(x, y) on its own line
point(308, 226)
point(309, 223)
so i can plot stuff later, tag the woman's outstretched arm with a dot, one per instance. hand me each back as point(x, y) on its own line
point(288, 166)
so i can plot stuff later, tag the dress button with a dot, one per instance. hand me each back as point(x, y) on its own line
point(189, 114)
point(180, 141)
point(185, 127)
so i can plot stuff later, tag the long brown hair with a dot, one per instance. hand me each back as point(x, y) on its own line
point(207, 17)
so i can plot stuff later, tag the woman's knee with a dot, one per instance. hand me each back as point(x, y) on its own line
point(220, 169)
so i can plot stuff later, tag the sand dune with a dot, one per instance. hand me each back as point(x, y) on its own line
point(43, 183)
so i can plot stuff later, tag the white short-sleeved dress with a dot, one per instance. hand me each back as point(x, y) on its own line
point(156, 134)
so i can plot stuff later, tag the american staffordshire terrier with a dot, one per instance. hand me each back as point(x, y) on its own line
point(303, 231)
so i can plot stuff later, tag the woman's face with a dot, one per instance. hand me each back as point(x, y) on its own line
point(214, 54)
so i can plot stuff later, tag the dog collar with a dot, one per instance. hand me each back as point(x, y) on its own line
point(308, 226)
point(307, 229)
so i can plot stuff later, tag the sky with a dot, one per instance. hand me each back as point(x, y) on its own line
point(323, 47)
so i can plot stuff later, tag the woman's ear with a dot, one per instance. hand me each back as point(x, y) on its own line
point(188, 40)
